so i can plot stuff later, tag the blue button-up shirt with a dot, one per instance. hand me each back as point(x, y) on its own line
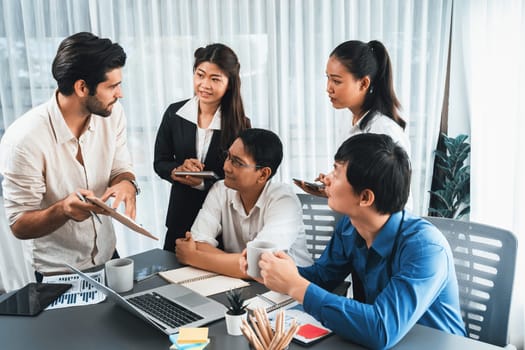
point(420, 286)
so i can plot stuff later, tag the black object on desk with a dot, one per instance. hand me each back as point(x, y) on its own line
point(32, 299)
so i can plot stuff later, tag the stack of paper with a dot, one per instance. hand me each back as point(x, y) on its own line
point(190, 339)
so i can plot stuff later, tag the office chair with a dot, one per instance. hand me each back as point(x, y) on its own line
point(485, 261)
point(319, 225)
point(319, 222)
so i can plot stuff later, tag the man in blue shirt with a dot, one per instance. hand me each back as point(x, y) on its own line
point(404, 263)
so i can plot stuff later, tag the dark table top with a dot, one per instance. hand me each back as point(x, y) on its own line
point(107, 326)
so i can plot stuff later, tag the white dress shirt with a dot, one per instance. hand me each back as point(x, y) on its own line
point(276, 217)
point(38, 162)
point(381, 124)
point(190, 112)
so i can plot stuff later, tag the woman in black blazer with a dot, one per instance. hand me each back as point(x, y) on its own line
point(194, 134)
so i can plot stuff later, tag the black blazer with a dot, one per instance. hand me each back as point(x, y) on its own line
point(176, 142)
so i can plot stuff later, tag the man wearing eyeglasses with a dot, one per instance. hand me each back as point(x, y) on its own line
point(246, 206)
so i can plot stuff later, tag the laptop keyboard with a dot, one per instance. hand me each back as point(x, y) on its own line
point(164, 309)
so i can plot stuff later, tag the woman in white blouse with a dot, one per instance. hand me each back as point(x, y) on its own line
point(359, 77)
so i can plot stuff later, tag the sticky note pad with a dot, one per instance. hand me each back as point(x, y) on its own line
point(194, 346)
point(193, 335)
point(309, 331)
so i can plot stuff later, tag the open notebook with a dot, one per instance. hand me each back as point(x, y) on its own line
point(269, 301)
point(202, 281)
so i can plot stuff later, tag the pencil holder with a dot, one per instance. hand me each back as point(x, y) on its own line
point(262, 336)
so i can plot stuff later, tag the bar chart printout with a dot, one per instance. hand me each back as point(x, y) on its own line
point(81, 293)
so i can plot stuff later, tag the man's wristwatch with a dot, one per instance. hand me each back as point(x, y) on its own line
point(135, 184)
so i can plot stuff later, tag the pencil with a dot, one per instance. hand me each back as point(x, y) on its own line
point(93, 214)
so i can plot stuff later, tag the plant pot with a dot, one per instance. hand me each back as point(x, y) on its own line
point(234, 323)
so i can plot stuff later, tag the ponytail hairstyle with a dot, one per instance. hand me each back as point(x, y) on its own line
point(233, 119)
point(371, 59)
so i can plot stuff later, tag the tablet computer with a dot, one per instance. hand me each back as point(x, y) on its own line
point(123, 219)
point(32, 299)
point(203, 174)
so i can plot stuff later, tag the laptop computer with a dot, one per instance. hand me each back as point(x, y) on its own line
point(167, 307)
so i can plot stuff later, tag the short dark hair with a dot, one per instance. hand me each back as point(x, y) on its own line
point(84, 56)
point(377, 163)
point(264, 146)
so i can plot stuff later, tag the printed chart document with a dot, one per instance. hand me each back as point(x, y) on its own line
point(310, 330)
point(123, 219)
point(269, 301)
point(202, 281)
point(81, 293)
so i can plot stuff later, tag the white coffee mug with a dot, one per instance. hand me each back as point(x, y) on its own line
point(254, 249)
point(119, 274)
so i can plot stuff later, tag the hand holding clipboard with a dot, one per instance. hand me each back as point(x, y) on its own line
point(123, 219)
point(203, 174)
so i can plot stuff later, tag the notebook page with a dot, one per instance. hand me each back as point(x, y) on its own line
point(185, 274)
point(215, 284)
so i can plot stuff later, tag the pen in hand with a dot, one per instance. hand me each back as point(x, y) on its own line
point(83, 199)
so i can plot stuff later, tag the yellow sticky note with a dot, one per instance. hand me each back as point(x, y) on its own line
point(193, 335)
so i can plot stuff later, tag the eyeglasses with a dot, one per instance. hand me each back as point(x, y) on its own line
point(237, 163)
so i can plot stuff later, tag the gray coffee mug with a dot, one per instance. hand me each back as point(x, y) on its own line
point(254, 249)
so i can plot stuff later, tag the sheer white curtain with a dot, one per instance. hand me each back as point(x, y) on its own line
point(282, 46)
point(489, 88)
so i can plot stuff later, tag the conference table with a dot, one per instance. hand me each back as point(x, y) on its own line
point(107, 326)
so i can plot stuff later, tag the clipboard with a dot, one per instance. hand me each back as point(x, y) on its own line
point(123, 219)
point(203, 174)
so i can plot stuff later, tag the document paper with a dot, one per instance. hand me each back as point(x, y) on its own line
point(81, 293)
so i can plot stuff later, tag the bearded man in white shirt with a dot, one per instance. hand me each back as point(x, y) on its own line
point(246, 206)
point(72, 146)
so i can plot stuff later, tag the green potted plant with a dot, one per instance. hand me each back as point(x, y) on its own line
point(236, 311)
point(451, 181)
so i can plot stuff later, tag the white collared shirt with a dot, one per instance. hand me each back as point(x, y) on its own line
point(276, 217)
point(190, 112)
point(381, 124)
point(38, 162)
